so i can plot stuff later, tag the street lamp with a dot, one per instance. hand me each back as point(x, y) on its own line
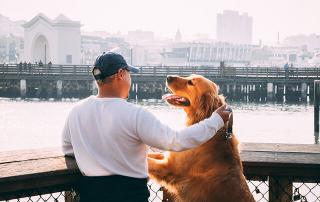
point(131, 48)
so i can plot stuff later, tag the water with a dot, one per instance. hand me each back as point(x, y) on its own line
point(35, 123)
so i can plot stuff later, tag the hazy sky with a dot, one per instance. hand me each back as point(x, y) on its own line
point(164, 17)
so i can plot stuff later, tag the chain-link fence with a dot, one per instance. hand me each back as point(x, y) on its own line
point(263, 188)
point(30, 176)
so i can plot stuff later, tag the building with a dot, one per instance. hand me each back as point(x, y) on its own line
point(140, 35)
point(312, 42)
point(58, 40)
point(207, 54)
point(9, 27)
point(10, 47)
point(234, 28)
point(92, 46)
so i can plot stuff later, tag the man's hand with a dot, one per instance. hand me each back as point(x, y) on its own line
point(224, 114)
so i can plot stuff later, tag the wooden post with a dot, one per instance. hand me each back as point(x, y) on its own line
point(59, 89)
point(270, 92)
point(280, 189)
point(222, 68)
point(304, 89)
point(234, 90)
point(316, 104)
point(23, 88)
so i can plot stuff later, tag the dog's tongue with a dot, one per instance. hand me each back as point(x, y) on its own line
point(170, 96)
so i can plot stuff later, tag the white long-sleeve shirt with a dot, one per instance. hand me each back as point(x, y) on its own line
point(109, 136)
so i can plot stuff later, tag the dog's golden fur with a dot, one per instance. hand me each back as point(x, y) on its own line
point(211, 172)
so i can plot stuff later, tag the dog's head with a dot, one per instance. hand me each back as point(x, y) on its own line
point(197, 95)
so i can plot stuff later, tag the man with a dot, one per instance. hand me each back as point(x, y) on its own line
point(286, 65)
point(40, 64)
point(286, 69)
point(25, 66)
point(109, 136)
point(49, 67)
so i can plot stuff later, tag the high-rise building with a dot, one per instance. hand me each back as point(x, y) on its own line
point(234, 28)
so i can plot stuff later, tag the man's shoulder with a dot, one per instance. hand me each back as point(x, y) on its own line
point(80, 103)
point(126, 104)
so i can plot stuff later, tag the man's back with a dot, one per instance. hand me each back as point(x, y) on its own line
point(103, 136)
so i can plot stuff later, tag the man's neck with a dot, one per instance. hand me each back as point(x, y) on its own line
point(108, 92)
point(107, 95)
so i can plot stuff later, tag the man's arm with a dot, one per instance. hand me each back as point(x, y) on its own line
point(155, 134)
point(66, 140)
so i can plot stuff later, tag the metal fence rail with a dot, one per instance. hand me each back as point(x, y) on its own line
point(274, 172)
point(259, 186)
point(145, 71)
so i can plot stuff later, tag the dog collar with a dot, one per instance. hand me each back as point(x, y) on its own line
point(230, 125)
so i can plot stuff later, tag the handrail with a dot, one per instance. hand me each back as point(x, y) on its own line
point(277, 163)
point(148, 71)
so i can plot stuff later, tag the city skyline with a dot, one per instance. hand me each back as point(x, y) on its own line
point(165, 17)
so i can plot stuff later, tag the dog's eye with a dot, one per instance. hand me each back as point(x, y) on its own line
point(190, 83)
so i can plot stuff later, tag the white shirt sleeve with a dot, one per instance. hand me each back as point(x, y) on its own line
point(155, 134)
point(66, 140)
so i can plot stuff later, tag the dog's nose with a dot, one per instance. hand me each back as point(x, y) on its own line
point(169, 79)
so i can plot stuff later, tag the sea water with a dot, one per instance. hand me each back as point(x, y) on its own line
point(34, 123)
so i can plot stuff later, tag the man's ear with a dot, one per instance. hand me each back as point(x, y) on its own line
point(120, 74)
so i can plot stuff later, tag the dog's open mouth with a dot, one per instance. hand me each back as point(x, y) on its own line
point(176, 100)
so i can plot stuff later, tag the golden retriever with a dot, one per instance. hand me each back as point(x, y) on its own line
point(211, 172)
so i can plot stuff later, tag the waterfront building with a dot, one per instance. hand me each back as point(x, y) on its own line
point(234, 28)
point(311, 42)
point(58, 40)
point(278, 56)
point(92, 46)
point(207, 54)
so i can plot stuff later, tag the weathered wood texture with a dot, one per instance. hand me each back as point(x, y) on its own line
point(36, 168)
point(48, 167)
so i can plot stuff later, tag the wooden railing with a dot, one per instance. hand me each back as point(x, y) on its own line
point(275, 167)
point(85, 71)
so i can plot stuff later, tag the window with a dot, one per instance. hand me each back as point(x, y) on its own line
point(69, 59)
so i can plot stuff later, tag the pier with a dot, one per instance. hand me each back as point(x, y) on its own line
point(274, 172)
point(236, 83)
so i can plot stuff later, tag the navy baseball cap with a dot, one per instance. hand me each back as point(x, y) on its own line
point(109, 63)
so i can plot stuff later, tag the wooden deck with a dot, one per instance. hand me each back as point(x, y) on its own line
point(48, 167)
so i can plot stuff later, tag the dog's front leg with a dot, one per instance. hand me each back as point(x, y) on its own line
point(158, 168)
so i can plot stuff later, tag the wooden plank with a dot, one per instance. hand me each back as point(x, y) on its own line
point(281, 159)
point(301, 148)
point(309, 173)
point(38, 173)
point(37, 168)
point(28, 154)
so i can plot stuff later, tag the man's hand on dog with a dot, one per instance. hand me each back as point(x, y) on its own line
point(224, 114)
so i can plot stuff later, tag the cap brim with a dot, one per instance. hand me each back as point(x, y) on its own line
point(132, 69)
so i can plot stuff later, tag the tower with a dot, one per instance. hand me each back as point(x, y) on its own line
point(178, 37)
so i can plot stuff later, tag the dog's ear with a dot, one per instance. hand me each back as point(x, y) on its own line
point(206, 105)
point(218, 101)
